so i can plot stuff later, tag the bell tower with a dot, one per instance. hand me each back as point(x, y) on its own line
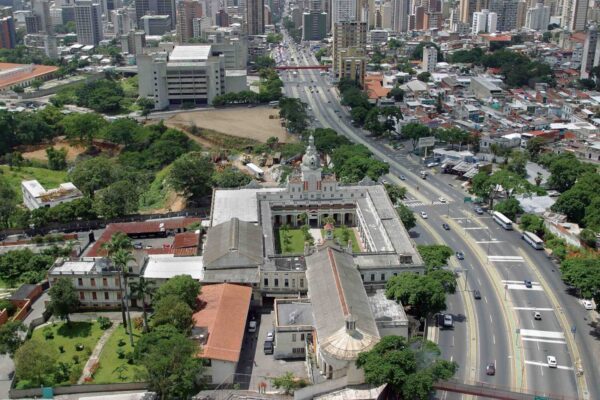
point(311, 167)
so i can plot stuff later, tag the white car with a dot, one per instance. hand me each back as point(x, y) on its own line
point(552, 362)
point(442, 199)
point(588, 304)
point(423, 215)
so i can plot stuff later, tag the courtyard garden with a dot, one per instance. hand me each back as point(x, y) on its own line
point(342, 235)
point(291, 241)
point(116, 363)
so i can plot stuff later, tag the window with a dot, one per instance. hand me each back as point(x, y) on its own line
point(94, 297)
point(362, 276)
point(293, 337)
point(301, 282)
point(117, 281)
point(302, 337)
point(79, 282)
point(395, 274)
point(106, 297)
point(298, 350)
point(118, 295)
point(81, 296)
point(93, 282)
point(104, 282)
point(286, 282)
point(266, 281)
point(383, 277)
point(293, 283)
point(372, 277)
point(276, 282)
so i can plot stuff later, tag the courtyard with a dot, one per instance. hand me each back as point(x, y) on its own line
point(291, 240)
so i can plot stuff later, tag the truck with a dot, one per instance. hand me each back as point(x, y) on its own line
point(256, 171)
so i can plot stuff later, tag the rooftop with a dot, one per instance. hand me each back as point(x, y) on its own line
point(193, 53)
point(165, 266)
point(240, 203)
point(290, 312)
point(12, 74)
point(233, 244)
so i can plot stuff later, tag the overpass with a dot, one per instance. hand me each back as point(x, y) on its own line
point(487, 391)
point(289, 67)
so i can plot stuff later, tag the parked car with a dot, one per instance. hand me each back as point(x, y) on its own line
point(268, 347)
point(587, 304)
point(402, 178)
point(490, 369)
point(446, 227)
point(448, 321)
point(478, 211)
point(138, 245)
point(528, 284)
point(442, 199)
point(270, 336)
point(460, 255)
point(552, 362)
point(477, 294)
point(252, 326)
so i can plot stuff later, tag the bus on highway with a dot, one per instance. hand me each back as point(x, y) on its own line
point(533, 240)
point(502, 220)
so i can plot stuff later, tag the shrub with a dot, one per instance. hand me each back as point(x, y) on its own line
point(8, 306)
point(61, 348)
point(121, 353)
point(79, 347)
point(48, 334)
point(121, 342)
point(104, 323)
point(75, 359)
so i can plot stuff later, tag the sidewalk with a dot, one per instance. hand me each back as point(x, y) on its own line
point(95, 357)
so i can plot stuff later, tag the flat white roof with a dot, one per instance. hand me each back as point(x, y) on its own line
point(190, 53)
point(165, 266)
point(241, 204)
point(74, 267)
point(33, 187)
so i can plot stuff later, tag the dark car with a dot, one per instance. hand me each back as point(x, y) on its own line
point(478, 211)
point(268, 347)
point(528, 284)
point(477, 294)
point(138, 245)
point(490, 369)
point(460, 255)
point(446, 227)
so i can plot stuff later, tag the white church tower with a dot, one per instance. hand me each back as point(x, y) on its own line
point(311, 168)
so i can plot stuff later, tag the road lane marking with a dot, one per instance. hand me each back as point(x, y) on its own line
point(488, 241)
point(506, 258)
point(542, 334)
point(474, 227)
point(485, 298)
point(544, 340)
point(533, 309)
point(491, 319)
point(494, 338)
point(523, 287)
point(523, 282)
point(542, 364)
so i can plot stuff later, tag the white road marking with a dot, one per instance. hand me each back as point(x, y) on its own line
point(494, 339)
point(542, 364)
point(479, 281)
point(506, 258)
point(525, 339)
point(523, 287)
point(542, 334)
point(488, 241)
point(491, 319)
point(485, 298)
point(523, 282)
point(474, 227)
point(533, 309)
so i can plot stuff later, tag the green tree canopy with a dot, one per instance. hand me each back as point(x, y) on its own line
point(231, 178)
point(395, 192)
point(423, 294)
point(83, 127)
point(532, 223)
point(171, 310)
point(93, 174)
point(435, 255)
point(414, 132)
point(11, 334)
point(407, 216)
point(509, 207)
point(584, 274)
point(35, 363)
point(191, 175)
point(184, 287)
point(8, 202)
point(63, 298)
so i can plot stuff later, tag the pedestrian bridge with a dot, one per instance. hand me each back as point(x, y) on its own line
point(485, 390)
point(292, 67)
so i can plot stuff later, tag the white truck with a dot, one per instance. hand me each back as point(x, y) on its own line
point(255, 170)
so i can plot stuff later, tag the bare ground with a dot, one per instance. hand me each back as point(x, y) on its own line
point(40, 154)
point(251, 123)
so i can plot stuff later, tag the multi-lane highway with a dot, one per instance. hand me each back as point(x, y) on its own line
point(500, 327)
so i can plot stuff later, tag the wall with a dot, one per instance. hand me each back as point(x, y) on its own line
point(312, 391)
point(35, 293)
point(284, 344)
point(556, 229)
point(221, 371)
point(113, 387)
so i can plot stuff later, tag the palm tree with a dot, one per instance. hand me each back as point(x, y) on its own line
point(143, 289)
point(121, 258)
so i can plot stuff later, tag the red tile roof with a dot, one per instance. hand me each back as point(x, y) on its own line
point(37, 71)
point(186, 239)
point(224, 316)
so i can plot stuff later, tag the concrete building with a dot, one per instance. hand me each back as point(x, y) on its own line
point(133, 42)
point(155, 7)
point(352, 64)
point(122, 22)
point(343, 11)
point(429, 59)
point(156, 25)
point(35, 196)
point(346, 35)
point(314, 25)
point(190, 74)
point(400, 13)
point(293, 325)
point(187, 10)
point(574, 14)
point(466, 10)
point(255, 17)
point(484, 22)
point(591, 51)
point(484, 89)
point(377, 36)
point(506, 11)
point(8, 34)
point(200, 25)
point(538, 17)
point(88, 22)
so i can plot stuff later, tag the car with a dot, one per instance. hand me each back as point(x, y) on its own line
point(384, 182)
point(551, 362)
point(402, 178)
point(432, 164)
point(442, 199)
point(268, 347)
point(490, 369)
point(537, 316)
point(138, 245)
point(448, 321)
point(270, 336)
point(446, 227)
point(460, 255)
point(423, 215)
point(477, 295)
point(252, 326)
point(528, 284)
point(479, 211)
point(587, 304)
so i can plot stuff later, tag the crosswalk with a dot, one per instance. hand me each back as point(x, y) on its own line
point(412, 203)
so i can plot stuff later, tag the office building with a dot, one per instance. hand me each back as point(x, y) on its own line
point(577, 17)
point(349, 41)
point(377, 36)
point(156, 25)
point(343, 10)
point(314, 25)
point(122, 22)
point(400, 13)
point(538, 17)
point(467, 8)
point(88, 22)
point(133, 42)
point(200, 25)
point(506, 12)
point(255, 17)
point(41, 11)
point(222, 18)
point(386, 15)
point(187, 10)
point(429, 59)
point(484, 22)
point(155, 7)
point(188, 75)
point(591, 51)
point(8, 34)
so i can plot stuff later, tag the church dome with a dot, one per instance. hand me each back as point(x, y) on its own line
point(311, 157)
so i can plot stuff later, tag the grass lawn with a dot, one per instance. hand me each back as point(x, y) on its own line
point(48, 178)
point(110, 361)
point(337, 233)
point(85, 333)
point(296, 244)
point(155, 196)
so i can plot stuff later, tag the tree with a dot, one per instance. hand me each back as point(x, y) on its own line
point(83, 127)
point(534, 147)
point(414, 132)
point(121, 131)
point(435, 255)
point(565, 170)
point(532, 223)
point(142, 290)
point(409, 368)
point(396, 93)
point(423, 295)
point(57, 158)
point(146, 104)
point(11, 337)
point(121, 260)
point(93, 174)
point(170, 362)
point(171, 310)
point(264, 62)
point(584, 274)
point(118, 199)
point(395, 192)
point(8, 202)
point(230, 178)
point(36, 84)
point(288, 382)
point(35, 362)
point(191, 175)
point(509, 207)
point(517, 163)
point(184, 287)
point(424, 77)
point(588, 237)
point(118, 250)
point(407, 216)
point(63, 298)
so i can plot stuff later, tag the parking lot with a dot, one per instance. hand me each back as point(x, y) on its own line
point(257, 366)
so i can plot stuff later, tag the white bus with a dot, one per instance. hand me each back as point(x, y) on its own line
point(502, 220)
point(533, 240)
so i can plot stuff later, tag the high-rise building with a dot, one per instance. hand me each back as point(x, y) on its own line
point(522, 7)
point(41, 10)
point(386, 15)
point(156, 25)
point(88, 22)
point(429, 59)
point(578, 15)
point(314, 25)
point(349, 39)
point(222, 18)
point(255, 17)
point(155, 7)
point(8, 35)
point(343, 10)
point(467, 8)
point(400, 13)
point(133, 42)
point(591, 52)
point(484, 21)
point(506, 10)
point(122, 23)
point(538, 17)
point(187, 10)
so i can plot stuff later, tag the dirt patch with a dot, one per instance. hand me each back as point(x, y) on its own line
point(174, 202)
point(252, 123)
point(40, 151)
